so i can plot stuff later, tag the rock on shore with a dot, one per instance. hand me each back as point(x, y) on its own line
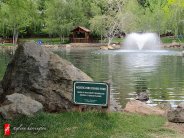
point(18, 104)
point(176, 115)
point(43, 76)
point(135, 106)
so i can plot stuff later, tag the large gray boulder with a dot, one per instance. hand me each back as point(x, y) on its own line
point(18, 105)
point(43, 76)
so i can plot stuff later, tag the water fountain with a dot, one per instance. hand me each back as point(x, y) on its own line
point(142, 41)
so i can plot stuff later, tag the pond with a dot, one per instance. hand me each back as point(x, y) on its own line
point(161, 73)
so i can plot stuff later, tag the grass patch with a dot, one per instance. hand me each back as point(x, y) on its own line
point(49, 41)
point(7, 44)
point(170, 40)
point(117, 40)
point(91, 124)
point(114, 40)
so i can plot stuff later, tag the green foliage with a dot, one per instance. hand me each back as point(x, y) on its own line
point(156, 16)
point(62, 16)
point(170, 40)
point(108, 23)
point(16, 15)
point(105, 17)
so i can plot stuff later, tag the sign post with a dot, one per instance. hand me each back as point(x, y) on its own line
point(91, 93)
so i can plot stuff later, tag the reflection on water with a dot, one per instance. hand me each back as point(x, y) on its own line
point(137, 62)
point(162, 73)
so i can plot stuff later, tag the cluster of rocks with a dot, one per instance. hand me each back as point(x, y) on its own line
point(138, 105)
point(173, 45)
point(37, 79)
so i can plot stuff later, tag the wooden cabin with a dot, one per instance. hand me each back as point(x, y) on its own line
point(80, 35)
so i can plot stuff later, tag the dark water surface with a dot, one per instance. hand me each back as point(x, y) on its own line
point(160, 72)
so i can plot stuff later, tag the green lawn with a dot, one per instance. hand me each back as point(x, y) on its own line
point(91, 125)
point(47, 40)
point(7, 44)
point(117, 40)
point(170, 40)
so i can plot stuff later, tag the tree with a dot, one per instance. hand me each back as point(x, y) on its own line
point(38, 18)
point(97, 24)
point(175, 12)
point(62, 16)
point(131, 17)
point(109, 21)
point(4, 22)
point(145, 16)
point(105, 17)
point(18, 14)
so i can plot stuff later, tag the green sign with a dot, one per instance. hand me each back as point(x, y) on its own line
point(91, 93)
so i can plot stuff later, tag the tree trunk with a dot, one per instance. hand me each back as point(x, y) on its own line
point(110, 40)
point(101, 37)
point(62, 39)
point(15, 35)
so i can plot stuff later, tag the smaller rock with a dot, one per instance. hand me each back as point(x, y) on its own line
point(181, 105)
point(117, 47)
point(19, 104)
point(135, 106)
point(110, 48)
point(104, 47)
point(68, 46)
point(176, 115)
point(142, 96)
